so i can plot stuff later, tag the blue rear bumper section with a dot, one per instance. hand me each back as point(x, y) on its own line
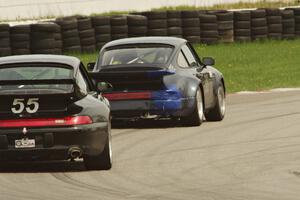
point(165, 103)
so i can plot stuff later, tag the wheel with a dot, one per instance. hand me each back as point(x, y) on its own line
point(102, 161)
point(218, 112)
point(197, 116)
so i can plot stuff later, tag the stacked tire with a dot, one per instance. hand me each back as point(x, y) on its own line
point(102, 27)
point(274, 20)
point(225, 26)
point(43, 38)
point(297, 21)
point(5, 49)
point(157, 23)
point(209, 28)
point(259, 27)
point(288, 24)
point(137, 25)
point(70, 34)
point(119, 27)
point(242, 26)
point(86, 34)
point(20, 39)
point(174, 23)
point(191, 26)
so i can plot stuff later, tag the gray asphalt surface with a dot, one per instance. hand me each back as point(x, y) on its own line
point(253, 154)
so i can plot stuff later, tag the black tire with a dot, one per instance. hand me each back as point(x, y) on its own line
point(191, 22)
point(274, 20)
point(225, 25)
point(193, 39)
point(173, 14)
point(287, 14)
point(43, 44)
point(155, 15)
point(41, 35)
point(106, 29)
point(88, 49)
point(99, 45)
point(242, 38)
point(137, 30)
point(275, 28)
point(76, 48)
point(242, 16)
point(204, 18)
point(242, 32)
point(189, 14)
point(21, 45)
point(19, 37)
point(275, 36)
point(5, 51)
point(137, 20)
point(157, 23)
point(73, 41)
point(227, 16)
point(242, 25)
point(4, 27)
point(5, 43)
point(288, 36)
point(102, 161)
point(209, 40)
point(103, 38)
point(68, 24)
point(288, 31)
point(287, 23)
point(157, 32)
point(45, 27)
point(118, 20)
point(70, 34)
point(191, 31)
point(217, 113)
point(209, 26)
point(119, 29)
point(84, 23)
point(260, 13)
point(174, 22)
point(119, 36)
point(209, 34)
point(88, 41)
point(4, 34)
point(87, 33)
point(175, 31)
point(100, 21)
point(259, 37)
point(20, 29)
point(20, 51)
point(273, 12)
point(258, 22)
point(259, 31)
point(197, 116)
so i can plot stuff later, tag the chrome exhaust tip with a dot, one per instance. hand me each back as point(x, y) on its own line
point(75, 152)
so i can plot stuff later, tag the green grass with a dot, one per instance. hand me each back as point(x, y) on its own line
point(250, 66)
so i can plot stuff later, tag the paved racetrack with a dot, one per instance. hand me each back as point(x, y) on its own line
point(253, 154)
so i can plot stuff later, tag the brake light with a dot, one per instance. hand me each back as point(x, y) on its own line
point(66, 121)
point(127, 96)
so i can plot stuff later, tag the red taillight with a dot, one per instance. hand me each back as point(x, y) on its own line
point(66, 121)
point(127, 95)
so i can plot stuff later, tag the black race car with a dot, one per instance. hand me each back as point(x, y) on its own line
point(152, 77)
point(50, 110)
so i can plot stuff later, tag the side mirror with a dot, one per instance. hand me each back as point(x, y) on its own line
point(90, 66)
point(208, 61)
point(104, 87)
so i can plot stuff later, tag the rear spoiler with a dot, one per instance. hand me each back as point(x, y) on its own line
point(38, 82)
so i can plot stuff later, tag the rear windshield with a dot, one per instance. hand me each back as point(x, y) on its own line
point(137, 54)
point(35, 72)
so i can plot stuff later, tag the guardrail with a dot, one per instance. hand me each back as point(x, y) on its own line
point(88, 34)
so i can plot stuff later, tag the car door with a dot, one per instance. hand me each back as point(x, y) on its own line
point(197, 70)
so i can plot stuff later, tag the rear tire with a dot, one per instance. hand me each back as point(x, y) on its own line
point(102, 161)
point(218, 112)
point(197, 116)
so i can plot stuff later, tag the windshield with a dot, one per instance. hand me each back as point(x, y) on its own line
point(137, 54)
point(35, 72)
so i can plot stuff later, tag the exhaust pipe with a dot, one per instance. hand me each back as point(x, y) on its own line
point(75, 152)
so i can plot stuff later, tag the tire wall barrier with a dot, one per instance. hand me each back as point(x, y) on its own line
point(89, 34)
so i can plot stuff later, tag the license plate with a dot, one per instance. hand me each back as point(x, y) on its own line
point(25, 143)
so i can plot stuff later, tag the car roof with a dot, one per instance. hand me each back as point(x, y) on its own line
point(144, 40)
point(41, 58)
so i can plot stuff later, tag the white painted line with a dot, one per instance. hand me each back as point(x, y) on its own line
point(268, 91)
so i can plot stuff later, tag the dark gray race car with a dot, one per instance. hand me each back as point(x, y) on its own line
point(160, 77)
point(50, 110)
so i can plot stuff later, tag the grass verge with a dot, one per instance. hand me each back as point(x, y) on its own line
point(250, 66)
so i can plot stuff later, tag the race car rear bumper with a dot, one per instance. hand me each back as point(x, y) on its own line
point(163, 108)
point(54, 143)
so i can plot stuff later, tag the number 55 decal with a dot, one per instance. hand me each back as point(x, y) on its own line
point(32, 106)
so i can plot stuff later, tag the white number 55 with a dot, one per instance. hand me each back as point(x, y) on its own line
point(32, 106)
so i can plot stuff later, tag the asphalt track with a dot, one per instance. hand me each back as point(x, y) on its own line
point(253, 154)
